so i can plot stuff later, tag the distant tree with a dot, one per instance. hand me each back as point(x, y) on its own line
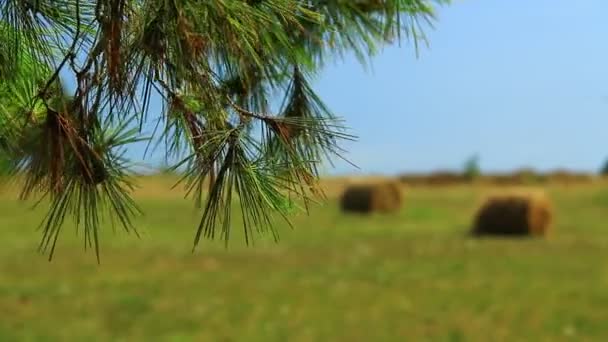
point(471, 168)
point(604, 169)
point(215, 63)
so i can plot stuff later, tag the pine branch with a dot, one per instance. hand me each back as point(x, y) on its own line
point(216, 65)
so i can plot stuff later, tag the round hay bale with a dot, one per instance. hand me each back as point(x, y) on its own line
point(393, 188)
point(514, 215)
point(367, 198)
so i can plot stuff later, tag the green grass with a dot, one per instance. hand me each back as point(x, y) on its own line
point(413, 276)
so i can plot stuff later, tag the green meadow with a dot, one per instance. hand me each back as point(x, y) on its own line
point(411, 276)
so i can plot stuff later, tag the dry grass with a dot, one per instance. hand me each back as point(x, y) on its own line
point(515, 178)
point(409, 276)
point(438, 178)
point(569, 178)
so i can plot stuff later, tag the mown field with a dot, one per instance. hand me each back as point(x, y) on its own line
point(412, 276)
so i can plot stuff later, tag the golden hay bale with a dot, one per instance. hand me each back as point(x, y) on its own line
point(366, 198)
point(393, 188)
point(514, 214)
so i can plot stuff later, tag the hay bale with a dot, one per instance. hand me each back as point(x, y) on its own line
point(381, 197)
point(393, 188)
point(514, 214)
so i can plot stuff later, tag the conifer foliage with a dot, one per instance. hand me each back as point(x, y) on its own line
point(216, 65)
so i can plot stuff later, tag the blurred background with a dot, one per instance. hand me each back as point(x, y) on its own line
point(496, 128)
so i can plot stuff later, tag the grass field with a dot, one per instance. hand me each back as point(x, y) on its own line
point(413, 276)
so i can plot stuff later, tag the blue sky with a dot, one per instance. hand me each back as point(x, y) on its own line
point(520, 83)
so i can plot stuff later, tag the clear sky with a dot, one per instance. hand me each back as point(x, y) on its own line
point(520, 83)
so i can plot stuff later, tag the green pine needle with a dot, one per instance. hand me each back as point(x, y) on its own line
point(215, 65)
